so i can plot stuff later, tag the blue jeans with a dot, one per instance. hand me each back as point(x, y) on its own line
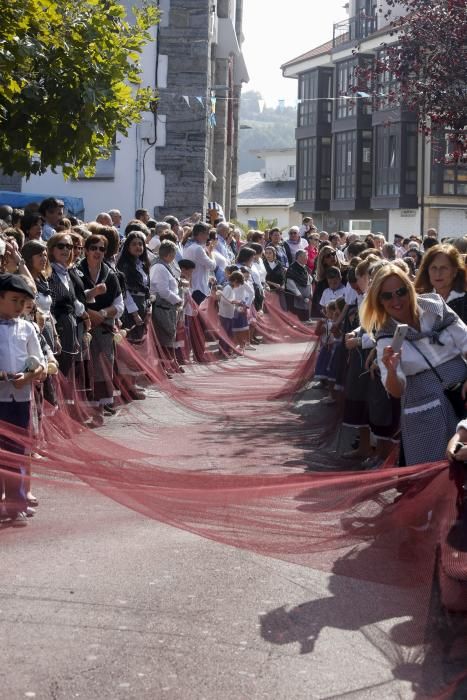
point(15, 413)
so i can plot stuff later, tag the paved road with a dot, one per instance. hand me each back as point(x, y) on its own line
point(98, 602)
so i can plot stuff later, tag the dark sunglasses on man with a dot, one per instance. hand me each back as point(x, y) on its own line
point(64, 246)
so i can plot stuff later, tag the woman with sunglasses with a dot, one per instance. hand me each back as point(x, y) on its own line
point(104, 308)
point(431, 360)
point(66, 308)
point(133, 264)
point(327, 257)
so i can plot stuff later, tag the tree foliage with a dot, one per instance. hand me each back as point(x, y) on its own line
point(427, 56)
point(69, 79)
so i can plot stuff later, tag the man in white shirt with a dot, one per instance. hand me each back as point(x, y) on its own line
point(223, 235)
point(334, 240)
point(203, 257)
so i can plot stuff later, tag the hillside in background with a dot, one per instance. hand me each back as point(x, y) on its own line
point(268, 128)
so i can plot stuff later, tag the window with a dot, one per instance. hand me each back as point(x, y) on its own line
point(315, 93)
point(325, 91)
point(105, 169)
point(448, 177)
point(366, 149)
point(306, 173)
point(387, 84)
point(410, 149)
point(346, 165)
point(345, 80)
point(325, 176)
point(307, 94)
point(351, 76)
point(292, 171)
point(388, 161)
point(314, 169)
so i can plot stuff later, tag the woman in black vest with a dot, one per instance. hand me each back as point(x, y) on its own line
point(103, 310)
point(66, 308)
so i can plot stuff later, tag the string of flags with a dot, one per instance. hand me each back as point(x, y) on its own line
point(211, 101)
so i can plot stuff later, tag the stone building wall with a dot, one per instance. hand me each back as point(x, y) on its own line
point(184, 159)
point(199, 163)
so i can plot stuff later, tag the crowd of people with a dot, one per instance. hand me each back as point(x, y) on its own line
point(69, 291)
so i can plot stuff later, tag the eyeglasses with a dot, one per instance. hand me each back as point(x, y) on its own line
point(78, 247)
point(330, 255)
point(100, 248)
point(64, 246)
point(387, 296)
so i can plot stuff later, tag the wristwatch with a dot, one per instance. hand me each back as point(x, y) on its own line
point(103, 313)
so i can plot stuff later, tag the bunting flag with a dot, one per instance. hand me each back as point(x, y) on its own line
point(187, 99)
point(212, 116)
point(200, 100)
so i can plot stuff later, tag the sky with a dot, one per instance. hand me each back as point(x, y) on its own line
point(275, 32)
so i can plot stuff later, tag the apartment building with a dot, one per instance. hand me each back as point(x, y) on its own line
point(360, 165)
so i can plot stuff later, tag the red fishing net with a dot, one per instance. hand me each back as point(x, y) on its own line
point(221, 450)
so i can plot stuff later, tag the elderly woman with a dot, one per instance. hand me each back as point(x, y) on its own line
point(298, 287)
point(168, 302)
point(430, 365)
point(275, 273)
point(104, 307)
point(293, 244)
point(443, 271)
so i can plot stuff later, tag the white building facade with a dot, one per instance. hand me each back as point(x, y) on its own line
point(177, 159)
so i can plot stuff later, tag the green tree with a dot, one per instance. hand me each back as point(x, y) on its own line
point(69, 80)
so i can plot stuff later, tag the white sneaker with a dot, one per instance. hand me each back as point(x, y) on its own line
point(20, 519)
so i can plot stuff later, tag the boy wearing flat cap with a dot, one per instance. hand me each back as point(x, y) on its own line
point(21, 363)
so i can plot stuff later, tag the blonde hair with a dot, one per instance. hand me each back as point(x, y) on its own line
point(372, 313)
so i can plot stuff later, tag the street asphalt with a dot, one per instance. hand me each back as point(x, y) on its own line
point(98, 602)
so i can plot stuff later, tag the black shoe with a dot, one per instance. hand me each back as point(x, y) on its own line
point(136, 395)
point(109, 410)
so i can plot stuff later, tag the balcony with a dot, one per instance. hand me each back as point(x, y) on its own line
point(353, 29)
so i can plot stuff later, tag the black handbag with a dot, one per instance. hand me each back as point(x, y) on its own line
point(452, 393)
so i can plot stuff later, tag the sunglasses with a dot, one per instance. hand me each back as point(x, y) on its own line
point(330, 255)
point(64, 246)
point(387, 296)
point(78, 247)
point(100, 248)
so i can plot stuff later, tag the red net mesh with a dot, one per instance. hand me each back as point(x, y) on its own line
point(220, 451)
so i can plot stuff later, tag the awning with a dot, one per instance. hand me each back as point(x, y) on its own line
point(18, 200)
point(240, 70)
point(227, 42)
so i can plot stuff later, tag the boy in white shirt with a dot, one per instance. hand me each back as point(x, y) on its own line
point(335, 289)
point(228, 304)
point(21, 363)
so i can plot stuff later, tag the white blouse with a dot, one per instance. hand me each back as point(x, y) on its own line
point(453, 339)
